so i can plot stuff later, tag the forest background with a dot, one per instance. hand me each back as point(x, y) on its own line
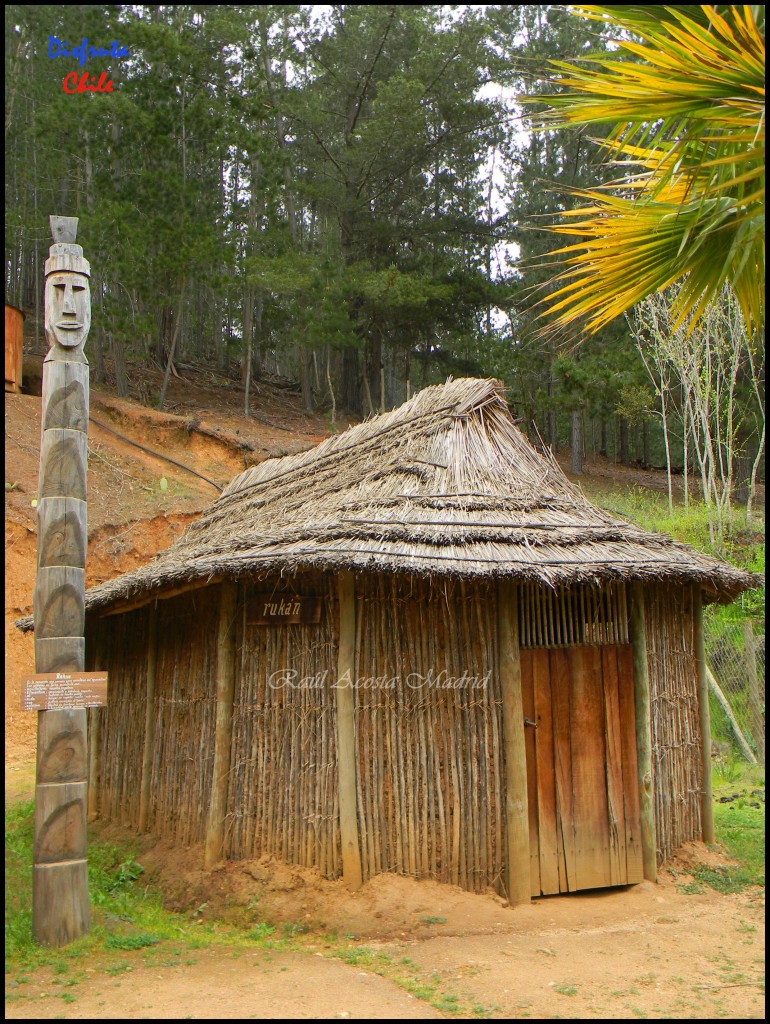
point(345, 195)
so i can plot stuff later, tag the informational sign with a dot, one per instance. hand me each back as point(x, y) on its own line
point(275, 609)
point(64, 691)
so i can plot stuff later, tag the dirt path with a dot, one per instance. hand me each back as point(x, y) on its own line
point(649, 951)
point(225, 984)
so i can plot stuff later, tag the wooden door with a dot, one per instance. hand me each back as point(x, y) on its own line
point(584, 820)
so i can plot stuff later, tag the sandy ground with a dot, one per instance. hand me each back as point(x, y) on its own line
point(650, 950)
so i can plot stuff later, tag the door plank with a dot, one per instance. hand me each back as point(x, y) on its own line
point(564, 812)
point(588, 769)
point(632, 803)
point(528, 659)
point(546, 778)
point(615, 800)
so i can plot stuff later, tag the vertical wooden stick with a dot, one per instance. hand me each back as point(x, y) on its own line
point(516, 802)
point(704, 717)
point(643, 731)
point(149, 719)
point(346, 733)
point(215, 827)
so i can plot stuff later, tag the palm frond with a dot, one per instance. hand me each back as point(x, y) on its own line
point(687, 106)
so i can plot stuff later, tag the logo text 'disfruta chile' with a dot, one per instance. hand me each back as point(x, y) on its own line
point(75, 82)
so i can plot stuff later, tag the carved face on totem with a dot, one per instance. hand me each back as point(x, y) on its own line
point(67, 308)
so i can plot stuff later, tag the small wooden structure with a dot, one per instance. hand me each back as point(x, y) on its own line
point(14, 354)
point(416, 648)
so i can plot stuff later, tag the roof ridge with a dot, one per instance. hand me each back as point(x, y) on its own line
point(312, 456)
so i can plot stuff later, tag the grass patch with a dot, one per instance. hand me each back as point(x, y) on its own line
point(739, 826)
point(649, 508)
point(430, 988)
point(565, 989)
point(131, 941)
point(127, 915)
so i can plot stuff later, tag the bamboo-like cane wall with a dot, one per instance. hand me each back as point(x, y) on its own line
point(283, 796)
point(122, 645)
point(428, 720)
point(572, 616)
point(184, 709)
point(429, 731)
point(676, 754)
point(185, 715)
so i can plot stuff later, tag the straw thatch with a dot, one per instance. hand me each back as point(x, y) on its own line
point(445, 485)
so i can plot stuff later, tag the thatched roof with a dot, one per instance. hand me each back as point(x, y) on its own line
point(445, 485)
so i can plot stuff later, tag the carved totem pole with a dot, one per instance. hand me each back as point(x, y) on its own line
point(60, 908)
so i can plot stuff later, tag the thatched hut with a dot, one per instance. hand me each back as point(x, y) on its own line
point(415, 648)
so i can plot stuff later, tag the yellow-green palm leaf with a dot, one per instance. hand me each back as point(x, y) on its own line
point(685, 112)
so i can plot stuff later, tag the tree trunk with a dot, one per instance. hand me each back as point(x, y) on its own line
point(119, 366)
point(425, 364)
point(306, 377)
point(351, 385)
point(623, 439)
point(256, 350)
point(374, 364)
point(742, 474)
point(169, 362)
point(246, 323)
point(577, 441)
point(367, 390)
point(646, 444)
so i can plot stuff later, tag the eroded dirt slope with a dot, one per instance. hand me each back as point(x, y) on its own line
point(138, 502)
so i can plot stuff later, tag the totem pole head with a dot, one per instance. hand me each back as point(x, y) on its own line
point(67, 291)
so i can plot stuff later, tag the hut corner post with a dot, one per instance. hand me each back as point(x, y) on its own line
point(642, 707)
point(226, 653)
point(704, 716)
point(346, 733)
point(517, 877)
point(60, 907)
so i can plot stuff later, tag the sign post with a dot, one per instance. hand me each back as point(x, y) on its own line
point(60, 907)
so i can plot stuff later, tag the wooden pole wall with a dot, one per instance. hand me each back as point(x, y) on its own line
point(704, 716)
point(643, 731)
point(346, 734)
point(149, 720)
point(516, 801)
point(225, 678)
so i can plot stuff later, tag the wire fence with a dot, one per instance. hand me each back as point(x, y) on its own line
point(735, 655)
